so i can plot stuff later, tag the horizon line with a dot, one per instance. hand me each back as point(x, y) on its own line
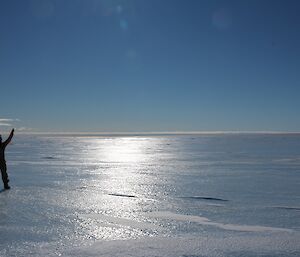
point(157, 133)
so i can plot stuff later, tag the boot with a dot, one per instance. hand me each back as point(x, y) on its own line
point(6, 186)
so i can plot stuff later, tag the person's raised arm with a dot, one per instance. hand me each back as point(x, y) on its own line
point(7, 141)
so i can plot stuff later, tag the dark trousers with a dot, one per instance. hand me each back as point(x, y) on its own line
point(3, 172)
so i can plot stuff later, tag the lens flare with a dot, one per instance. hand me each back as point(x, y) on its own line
point(222, 19)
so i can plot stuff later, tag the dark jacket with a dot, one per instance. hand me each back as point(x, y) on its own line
point(3, 146)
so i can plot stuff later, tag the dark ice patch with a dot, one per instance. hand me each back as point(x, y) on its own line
point(287, 208)
point(122, 195)
point(204, 198)
point(49, 158)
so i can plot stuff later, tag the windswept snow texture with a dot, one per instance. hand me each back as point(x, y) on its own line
point(179, 196)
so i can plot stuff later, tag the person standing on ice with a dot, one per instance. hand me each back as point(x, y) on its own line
point(2, 159)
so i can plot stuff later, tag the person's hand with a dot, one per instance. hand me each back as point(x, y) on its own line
point(13, 130)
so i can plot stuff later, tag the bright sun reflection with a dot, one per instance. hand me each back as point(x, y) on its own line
point(124, 150)
point(120, 182)
point(127, 156)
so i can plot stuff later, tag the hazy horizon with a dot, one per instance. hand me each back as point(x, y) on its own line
point(149, 133)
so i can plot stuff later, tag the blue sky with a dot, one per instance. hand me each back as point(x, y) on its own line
point(149, 65)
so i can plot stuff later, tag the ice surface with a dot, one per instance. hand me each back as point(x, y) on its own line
point(115, 221)
point(152, 196)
